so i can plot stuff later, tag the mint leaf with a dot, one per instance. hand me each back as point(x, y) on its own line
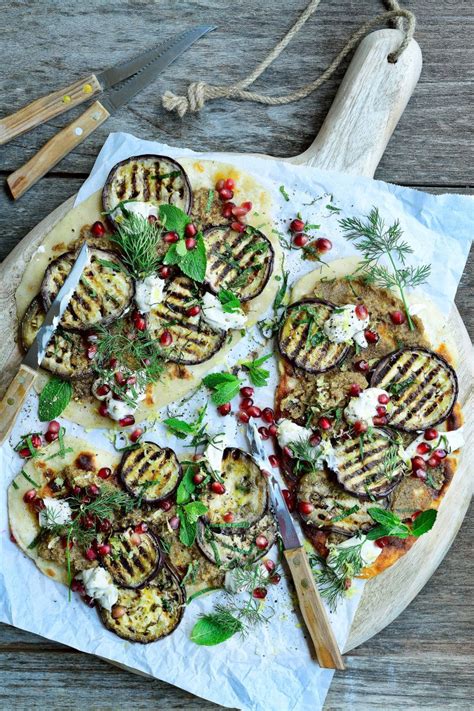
point(215, 628)
point(390, 525)
point(173, 219)
point(214, 379)
point(181, 248)
point(258, 376)
point(179, 427)
point(424, 522)
point(192, 262)
point(186, 487)
point(54, 398)
point(194, 510)
point(187, 530)
point(230, 303)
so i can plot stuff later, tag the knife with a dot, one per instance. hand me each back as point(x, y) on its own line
point(311, 605)
point(70, 137)
point(18, 389)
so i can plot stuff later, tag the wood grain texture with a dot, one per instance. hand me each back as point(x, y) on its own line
point(15, 396)
point(424, 660)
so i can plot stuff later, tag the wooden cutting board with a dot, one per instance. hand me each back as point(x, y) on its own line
point(368, 106)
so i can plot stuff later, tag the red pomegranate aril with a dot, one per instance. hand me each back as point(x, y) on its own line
point(131, 380)
point(420, 474)
point(127, 421)
point(93, 490)
point(362, 366)
point(430, 434)
point(164, 272)
point(224, 409)
point(305, 508)
point(237, 227)
point(98, 229)
point(229, 184)
point(415, 515)
point(418, 463)
point(268, 415)
point(226, 194)
point(102, 410)
point(433, 461)
point(135, 539)
point(217, 488)
point(361, 312)
point(379, 420)
point(275, 579)
point(239, 211)
point(227, 210)
point(193, 310)
point(165, 505)
point(118, 611)
point(76, 490)
point(24, 452)
point(190, 243)
point(263, 432)
point(29, 496)
point(315, 439)
point(140, 323)
point(289, 499)
point(228, 517)
point(397, 318)
point(166, 339)
point(103, 390)
point(170, 237)
point(90, 554)
point(440, 453)
point(381, 410)
point(136, 434)
point(288, 452)
point(273, 430)
point(141, 527)
point(325, 423)
point(190, 230)
point(323, 244)
point(119, 377)
point(39, 505)
point(36, 441)
point(51, 436)
point(198, 478)
point(247, 391)
point(269, 565)
point(54, 426)
point(152, 219)
point(220, 185)
point(113, 363)
point(88, 521)
point(382, 542)
point(274, 461)
point(91, 351)
point(297, 225)
point(423, 448)
point(261, 542)
point(243, 417)
point(174, 523)
point(383, 399)
point(371, 336)
point(359, 426)
point(247, 205)
point(77, 586)
point(104, 549)
point(300, 239)
point(105, 525)
point(254, 411)
point(260, 593)
point(355, 390)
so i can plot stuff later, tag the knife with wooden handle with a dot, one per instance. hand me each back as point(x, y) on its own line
point(311, 605)
point(21, 384)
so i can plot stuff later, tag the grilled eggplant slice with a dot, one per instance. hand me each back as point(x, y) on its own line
point(335, 509)
point(152, 612)
point(150, 472)
point(302, 341)
point(234, 546)
point(246, 491)
point(101, 296)
point(132, 564)
point(369, 466)
point(193, 340)
point(65, 353)
point(239, 261)
point(423, 388)
point(147, 178)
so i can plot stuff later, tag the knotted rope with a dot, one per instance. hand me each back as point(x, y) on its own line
point(199, 92)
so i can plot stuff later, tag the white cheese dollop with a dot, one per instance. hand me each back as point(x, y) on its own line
point(369, 551)
point(344, 325)
point(98, 584)
point(55, 512)
point(148, 292)
point(214, 453)
point(450, 441)
point(214, 315)
point(118, 409)
point(142, 209)
point(289, 432)
point(364, 407)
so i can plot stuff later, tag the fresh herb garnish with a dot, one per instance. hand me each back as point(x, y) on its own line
point(398, 388)
point(138, 240)
point(210, 200)
point(305, 456)
point(192, 262)
point(258, 376)
point(375, 241)
point(29, 479)
point(162, 176)
point(334, 574)
point(281, 293)
point(229, 302)
point(54, 398)
point(225, 387)
point(390, 525)
point(284, 193)
point(188, 509)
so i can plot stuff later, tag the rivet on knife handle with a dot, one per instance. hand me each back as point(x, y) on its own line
point(14, 398)
point(47, 107)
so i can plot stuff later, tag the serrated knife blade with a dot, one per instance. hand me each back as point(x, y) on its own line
point(37, 350)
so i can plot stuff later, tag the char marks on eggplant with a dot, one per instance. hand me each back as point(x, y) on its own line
point(150, 472)
point(302, 341)
point(132, 563)
point(231, 547)
point(422, 385)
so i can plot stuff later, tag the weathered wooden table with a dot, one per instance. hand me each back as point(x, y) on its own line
point(424, 659)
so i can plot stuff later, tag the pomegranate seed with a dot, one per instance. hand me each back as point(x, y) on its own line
point(93, 490)
point(104, 549)
point(90, 602)
point(260, 593)
point(141, 527)
point(273, 430)
point(198, 478)
point(103, 390)
point(193, 310)
point(371, 336)
point(77, 586)
point(263, 432)
point(379, 420)
point(297, 225)
point(359, 426)
point(243, 417)
point(90, 554)
point(190, 230)
point(361, 312)
point(127, 420)
point(423, 448)
point(24, 453)
point(355, 390)
point(362, 366)
point(420, 474)
point(261, 542)
point(239, 211)
point(325, 423)
point(383, 399)
point(247, 205)
point(152, 219)
point(418, 463)
point(381, 410)
point(275, 579)
point(415, 515)
point(397, 318)
point(217, 488)
point(237, 227)
point(88, 521)
point(118, 611)
point(274, 461)
point(54, 426)
point(440, 453)
point(382, 542)
point(220, 185)
point(247, 391)
point(39, 504)
point(36, 441)
point(226, 194)
point(166, 339)
point(91, 351)
point(229, 184)
point(119, 377)
point(102, 410)
point(29, 496)
point(76, 490)
point(269, 565)
point(164, 272)
point(300, 240)
point(323, 244)
point(98, 229)
point(105, 525)
point(431, 433)
point(305, 508)
point(174, 523)
point(224, 409)
point(135, 539)
point(170, 237)
point(254, 411)
point(315, 439)
point(289, 499)
point(51, 436)
point(433, 461)
point(190, 243)
point(227, 210)
point(287, 452)
point(228, 517)
point(131, 380)
point(165, 505)
point(268, 415)
point(113, 363)
point(136, 434)
point(140, 323)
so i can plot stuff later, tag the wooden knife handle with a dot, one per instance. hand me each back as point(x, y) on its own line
point(14, 398)
point(313, 611)
point(59, 146)
point(47, 107)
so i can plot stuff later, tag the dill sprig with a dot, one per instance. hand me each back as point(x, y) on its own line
point(138, 240)
point(376, 241)
point(305, 456)
point(334, 574)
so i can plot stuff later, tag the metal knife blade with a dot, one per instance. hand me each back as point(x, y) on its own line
point(37, 350)
point(167, 53)
point(288, 532)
